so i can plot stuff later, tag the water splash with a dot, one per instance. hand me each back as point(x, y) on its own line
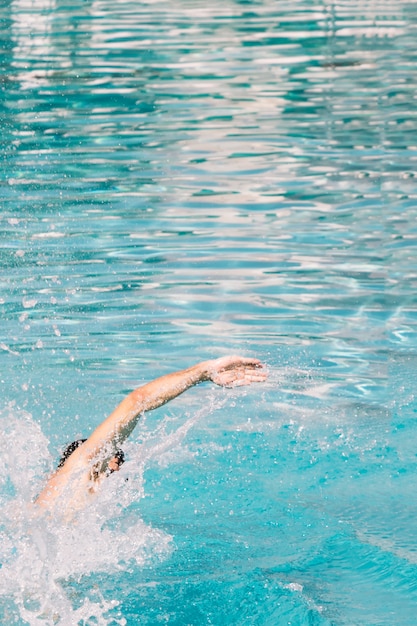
point(39, 555)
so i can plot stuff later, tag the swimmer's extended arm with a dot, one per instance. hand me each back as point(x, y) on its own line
point(229, 371)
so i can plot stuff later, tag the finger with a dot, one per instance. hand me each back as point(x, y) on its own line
point(243, 378)
point(249, 362)
point(226, 363)
point(240, 382)
point(260, 372)
point(256, 379)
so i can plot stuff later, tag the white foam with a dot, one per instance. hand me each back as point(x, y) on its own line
point(38, 554)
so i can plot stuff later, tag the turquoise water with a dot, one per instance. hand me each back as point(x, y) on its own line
point(182, 180)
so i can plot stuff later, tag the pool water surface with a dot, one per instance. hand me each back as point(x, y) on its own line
point(180, 181)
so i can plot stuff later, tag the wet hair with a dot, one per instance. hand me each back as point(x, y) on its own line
point(119, 454)
point(71, 447)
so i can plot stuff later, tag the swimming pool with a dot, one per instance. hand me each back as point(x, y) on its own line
point(182, 181)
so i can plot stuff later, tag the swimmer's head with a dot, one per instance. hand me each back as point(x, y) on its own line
point(113, 465)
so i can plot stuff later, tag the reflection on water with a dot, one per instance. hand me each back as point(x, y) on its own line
point(181, 180)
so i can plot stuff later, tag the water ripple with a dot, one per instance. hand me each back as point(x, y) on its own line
point(180, 180)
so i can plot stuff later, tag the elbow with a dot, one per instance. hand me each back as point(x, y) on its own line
point(137, 403)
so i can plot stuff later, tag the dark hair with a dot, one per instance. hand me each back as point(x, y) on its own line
point(119, 454)
point(71, 447)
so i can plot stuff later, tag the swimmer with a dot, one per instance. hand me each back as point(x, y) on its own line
point(86, 463)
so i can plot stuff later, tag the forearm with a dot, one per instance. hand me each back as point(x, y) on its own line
point(166, 388)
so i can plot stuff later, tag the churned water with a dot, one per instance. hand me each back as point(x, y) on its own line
point(182, 180)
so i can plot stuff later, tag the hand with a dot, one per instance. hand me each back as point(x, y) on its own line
point(236, 371)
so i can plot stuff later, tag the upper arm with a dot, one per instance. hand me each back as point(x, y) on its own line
point(99, 446)
point(114, 429)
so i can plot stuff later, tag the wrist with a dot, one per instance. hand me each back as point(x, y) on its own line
point(205, 370)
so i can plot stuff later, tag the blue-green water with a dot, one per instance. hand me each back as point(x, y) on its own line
point(182, 180)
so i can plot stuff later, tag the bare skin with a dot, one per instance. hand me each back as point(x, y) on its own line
point(84, 470)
